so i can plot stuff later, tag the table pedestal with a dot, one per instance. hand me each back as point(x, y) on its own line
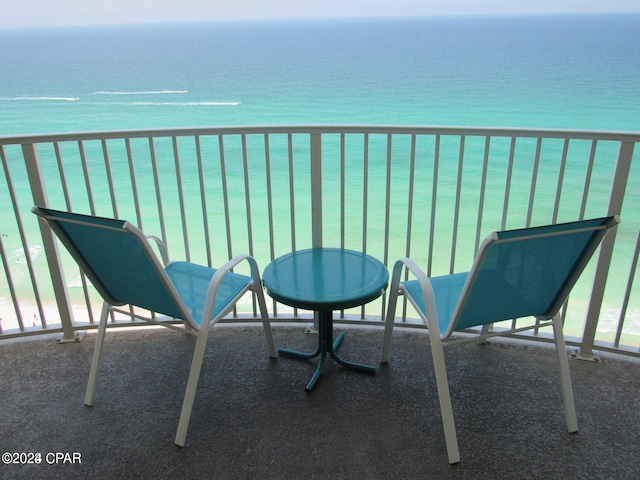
point(326, 344)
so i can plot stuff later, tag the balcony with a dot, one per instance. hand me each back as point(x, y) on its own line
point(431, 193)
point(253, 419)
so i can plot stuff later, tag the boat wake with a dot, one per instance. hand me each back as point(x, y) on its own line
point(42, 99)
point(145, 92)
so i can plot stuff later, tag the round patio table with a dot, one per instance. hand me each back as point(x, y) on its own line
point(324, 280)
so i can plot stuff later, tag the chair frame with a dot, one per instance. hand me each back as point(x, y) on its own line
point(190, 326)
point(439, 340)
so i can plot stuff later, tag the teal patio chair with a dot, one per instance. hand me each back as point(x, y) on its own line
point(518, 273)
point(121, 264)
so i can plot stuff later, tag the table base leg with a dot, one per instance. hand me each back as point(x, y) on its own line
point(326, 344)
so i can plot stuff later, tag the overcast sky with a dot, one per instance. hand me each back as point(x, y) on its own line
point(38, 13)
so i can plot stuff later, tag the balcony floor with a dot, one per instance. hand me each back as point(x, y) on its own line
point(253, 420)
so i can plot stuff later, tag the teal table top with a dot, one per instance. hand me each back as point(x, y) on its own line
point(324, 279)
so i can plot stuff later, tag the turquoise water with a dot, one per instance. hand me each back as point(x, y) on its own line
point(576, 72)
point(556, 71)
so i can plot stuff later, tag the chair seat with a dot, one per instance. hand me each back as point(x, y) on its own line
point(446, 289)
point(478, 309)
point(192, 282)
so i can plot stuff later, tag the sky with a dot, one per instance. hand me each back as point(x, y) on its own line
point(46, 13)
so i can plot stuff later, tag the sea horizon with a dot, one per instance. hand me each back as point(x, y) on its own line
point(538, 71)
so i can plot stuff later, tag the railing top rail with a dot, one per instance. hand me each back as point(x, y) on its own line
point(620, 136)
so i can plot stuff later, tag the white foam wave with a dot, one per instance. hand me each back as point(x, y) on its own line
point(76, 282)
point(45, 99)
point(145, 92)
point(609, 318)
point(179, 104)
point(34, 252)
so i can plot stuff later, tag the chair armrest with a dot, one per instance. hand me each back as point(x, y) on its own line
point(413, 268)
point(217, 279)
point(394, 291)
point(227, 267)
point(425, 286)
point(161, 248)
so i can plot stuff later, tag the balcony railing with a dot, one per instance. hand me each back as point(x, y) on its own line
point(431, 193)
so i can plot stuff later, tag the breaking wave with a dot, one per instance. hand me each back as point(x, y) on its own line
point(18, 255)
point(76, 282)
point(145, 92)
point(181, 104)
point(44, 99)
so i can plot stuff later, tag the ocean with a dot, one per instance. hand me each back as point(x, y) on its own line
point(569, 71)
point(579, 72)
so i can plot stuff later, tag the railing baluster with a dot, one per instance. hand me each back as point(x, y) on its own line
point(38, 191)
point(456, 209)
point(343, 195)
point(587, 180)
point(410, 197)
point(225, 195)
point(63, 178)
point(618, 189)
point(343, 188)
point(507, 188)
point(156, 184)
point(12, 290)
point(387, 201)
point(134, 184)
point(292, 208)
point(247, 199)
point(410, 200)
point(272, 252)
point(107, 166)
point(136, 202)
point(563, 166)
point(316, 190)
point(247, 193)
point(87, 179)
point(434, 197)
point(387, 217)
point(483, 188)
point(14, 297)
point(179, 186)
point(365, 191)
point(203, 201)
point(534, 181)
point(267, 158)
point(292, 194)
point(627, 293)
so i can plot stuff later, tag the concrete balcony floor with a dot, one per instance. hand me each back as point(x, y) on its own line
point(253, 420)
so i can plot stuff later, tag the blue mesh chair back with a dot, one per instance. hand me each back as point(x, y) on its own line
point(528, 272)
point(112, 254)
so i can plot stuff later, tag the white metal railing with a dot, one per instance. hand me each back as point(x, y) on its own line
point(432, 193)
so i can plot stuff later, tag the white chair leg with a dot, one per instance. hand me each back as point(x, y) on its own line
point(567, 390)
point(391, 312)
point(388, 328)
point(97, 354)
point(192, 385)
point(444, 397)
point(265, 320)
